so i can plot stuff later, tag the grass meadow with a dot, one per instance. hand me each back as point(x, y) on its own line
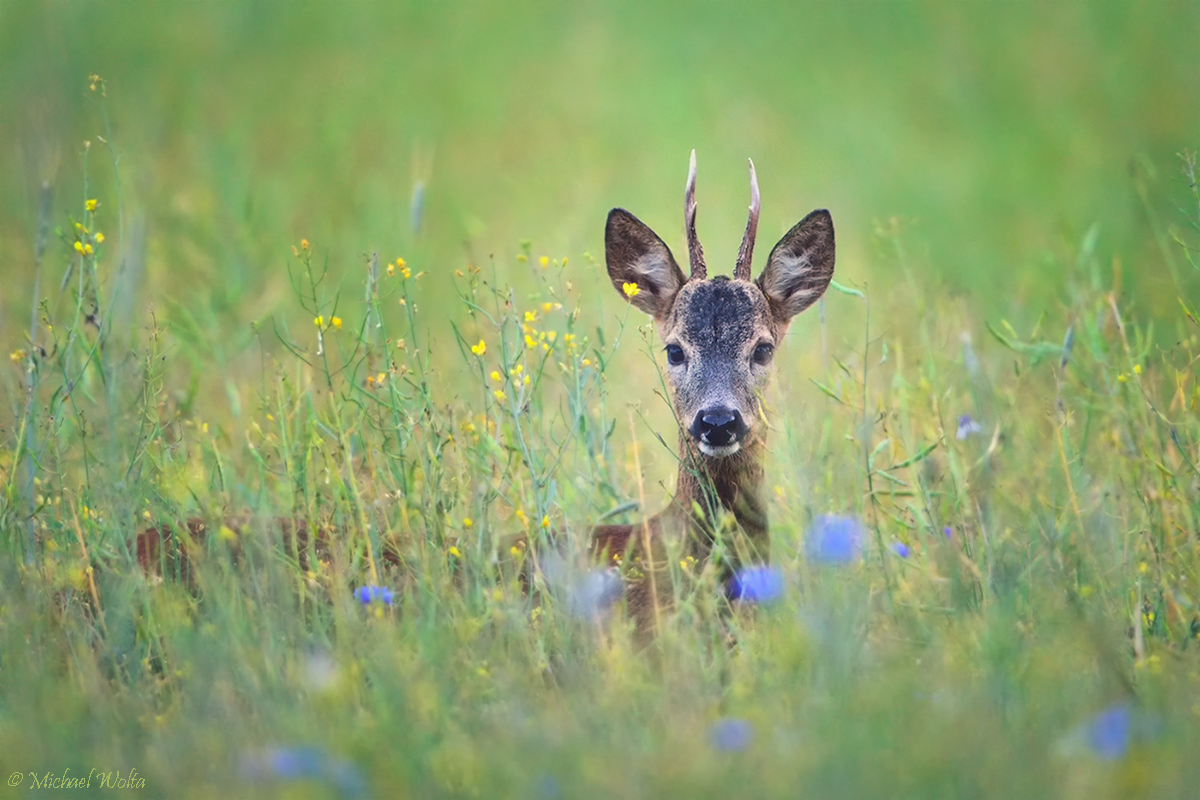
point(344, 263)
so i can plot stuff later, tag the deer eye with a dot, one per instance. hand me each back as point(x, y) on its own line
point(674, 355)
point(762, 354)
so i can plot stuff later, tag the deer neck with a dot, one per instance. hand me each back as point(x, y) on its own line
point(709, 488)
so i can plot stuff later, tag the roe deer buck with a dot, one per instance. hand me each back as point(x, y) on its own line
point(720, 336)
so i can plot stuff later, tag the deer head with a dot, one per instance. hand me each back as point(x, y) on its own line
point(720, 333)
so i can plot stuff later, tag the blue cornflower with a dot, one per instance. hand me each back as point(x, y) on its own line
point(967, 427)
point(374, 594)
point(901, 549)
point(294, 763)
point(835, 540)
point(305, 763)
point(759, 584)
point(1109, 732)
point(731, 735)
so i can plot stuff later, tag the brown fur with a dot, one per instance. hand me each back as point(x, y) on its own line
point(720, 329)
point(165, 550)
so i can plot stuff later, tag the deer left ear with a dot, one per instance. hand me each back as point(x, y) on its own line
point(800, 267)
point(640, 264)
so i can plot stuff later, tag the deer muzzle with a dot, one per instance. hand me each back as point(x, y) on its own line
point(719, 431)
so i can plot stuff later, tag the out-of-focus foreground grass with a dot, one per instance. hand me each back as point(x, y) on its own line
point(345, 264)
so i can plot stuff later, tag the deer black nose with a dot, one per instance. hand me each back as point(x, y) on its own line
point(719, 427)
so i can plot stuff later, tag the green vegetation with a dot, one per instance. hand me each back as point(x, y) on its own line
point(344, 264)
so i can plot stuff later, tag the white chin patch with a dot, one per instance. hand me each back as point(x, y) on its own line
point(719, 452)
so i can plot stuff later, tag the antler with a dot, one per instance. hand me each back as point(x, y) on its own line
point(741, 270)
point(695, 251)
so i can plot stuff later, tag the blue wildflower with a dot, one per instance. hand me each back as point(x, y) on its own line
point(757, 585)
point(967, 427)
point(374, 594)
point(835, 540)
point(901, 549)
point(294, 763)
point(731, 735)
point(305, 763)
point(948, 531)
point(1109, 732)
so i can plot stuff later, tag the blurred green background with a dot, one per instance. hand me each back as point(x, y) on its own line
point(993, 135)
point(983, 163)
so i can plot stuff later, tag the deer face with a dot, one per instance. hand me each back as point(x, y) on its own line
point(720, 333)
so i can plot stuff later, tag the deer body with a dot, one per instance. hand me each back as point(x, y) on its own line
point(720, 336)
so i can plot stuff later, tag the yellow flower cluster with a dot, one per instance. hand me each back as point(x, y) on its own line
point(85, 240)
point(401, 267)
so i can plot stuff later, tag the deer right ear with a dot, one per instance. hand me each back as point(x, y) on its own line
point(800, 267)
point(640, 264)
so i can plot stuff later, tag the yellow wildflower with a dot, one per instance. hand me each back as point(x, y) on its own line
point(1137, 369)
point(546, 521)
point(90, 205)
point(391, 269)
point(496, 376)
point(630, 289)
point(17, 356)
point(336, 322)
point(99, 237)
point(304, 244)
point(468, 522)
point(380, 379)
point(547, 308)
point(319, 321)
point(499, 395)
point(79, 247)
point(87, 250)
point(521, 516)
point(530, 342)
point(531, 316)
point(479, 349)
point(544, 261)
point(454, 551)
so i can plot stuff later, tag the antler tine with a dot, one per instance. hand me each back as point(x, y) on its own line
point(741, 270)
point(695, 251)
